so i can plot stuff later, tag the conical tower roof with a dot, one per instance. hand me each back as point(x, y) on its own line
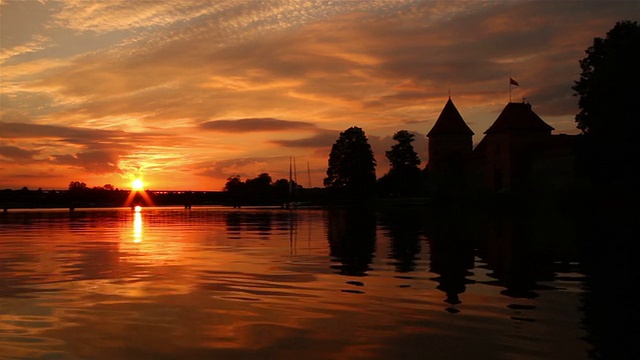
point(518, 116)
point(450, 122)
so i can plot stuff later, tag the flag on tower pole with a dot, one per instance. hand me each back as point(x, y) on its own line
point(512, 82)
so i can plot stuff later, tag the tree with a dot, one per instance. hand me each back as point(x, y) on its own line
point(609, 83)
point(351, 164)
point(76, 186)
point(285, 189)
point(402, 156)
point(234, 188)
point(234, 185)
point(404, 176)
point(609, 114)
point(259, 184)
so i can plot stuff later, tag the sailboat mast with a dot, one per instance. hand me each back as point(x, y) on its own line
point(295, 171)
point(290, 176)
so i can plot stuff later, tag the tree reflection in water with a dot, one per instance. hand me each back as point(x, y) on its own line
point(452, 254)
point(352, 239)
point(404, 227)
point(610, 301)
point(257, 222)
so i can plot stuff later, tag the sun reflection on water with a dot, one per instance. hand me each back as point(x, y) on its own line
point(137, 224)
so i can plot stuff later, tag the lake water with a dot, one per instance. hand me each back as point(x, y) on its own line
point(221, 283)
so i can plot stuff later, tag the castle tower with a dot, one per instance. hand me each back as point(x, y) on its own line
point(510, 144)
point(450, 142)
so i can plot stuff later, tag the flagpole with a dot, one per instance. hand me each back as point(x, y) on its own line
point(512, 82)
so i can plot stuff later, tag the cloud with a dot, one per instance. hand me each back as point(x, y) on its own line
point(23, 31)
point(113, 15)
point(324, 138)
point(245, 167)
point(16, 153)
point(101, 151)
point(255, 125)
point(37, 175)
point(324, 69)
point(554, 99)
point(87, 136)
point(36, 44)
point(22, 130)
point(97, 162)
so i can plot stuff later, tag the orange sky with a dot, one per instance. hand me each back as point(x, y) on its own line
point(185, 94)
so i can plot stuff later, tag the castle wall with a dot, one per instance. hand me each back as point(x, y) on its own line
point(509, 157)
point(449, 152)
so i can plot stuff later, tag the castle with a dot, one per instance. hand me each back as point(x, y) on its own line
point(518, 153)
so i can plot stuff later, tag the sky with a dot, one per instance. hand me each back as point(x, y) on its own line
point(185, 94)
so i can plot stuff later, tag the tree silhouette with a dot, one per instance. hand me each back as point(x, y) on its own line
point(402, 156)
point(259, 186)
point(261, 189)
point(285, 189)
point(351, 165)
point(234, 185)
point(608, 85)
point(609, 107)
point(256, 189)
point(404, 176)
point(77, 186)
point(234, 189)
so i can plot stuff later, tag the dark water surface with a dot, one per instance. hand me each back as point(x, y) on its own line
point(222, 283)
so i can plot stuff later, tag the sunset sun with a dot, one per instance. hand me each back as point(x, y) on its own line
point(137, 184)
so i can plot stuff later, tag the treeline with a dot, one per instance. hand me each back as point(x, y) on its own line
point(351, 176)
point(262, 190)
point(78, 194)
